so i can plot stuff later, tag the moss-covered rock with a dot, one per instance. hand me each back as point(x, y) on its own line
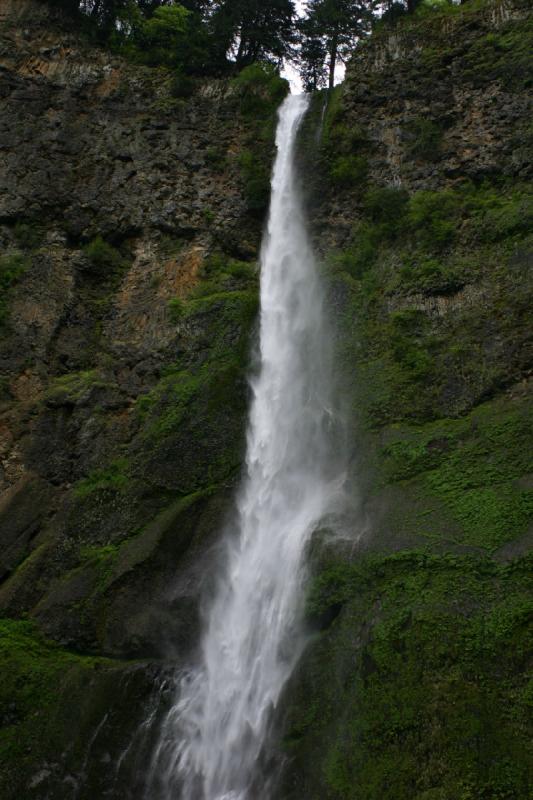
point(418, 687)
point(414, 684)
point(64, 716)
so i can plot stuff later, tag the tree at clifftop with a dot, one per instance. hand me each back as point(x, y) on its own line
point(328, 34)
point(253, 30)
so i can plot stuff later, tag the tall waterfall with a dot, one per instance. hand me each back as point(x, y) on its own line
point(216, 732)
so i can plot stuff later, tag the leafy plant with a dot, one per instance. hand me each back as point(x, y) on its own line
point(423, 137)
point(11, 268)
point(432, 217)
point(349, 171)
point(256, 178)
point(105, 258)
point(28, 235)
point(176, 307)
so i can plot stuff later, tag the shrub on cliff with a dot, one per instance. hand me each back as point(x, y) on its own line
point(11, 268)
point(260, 88)
point(256, 178)
point(104, 258)
point(423, 139)
point(432, 217)
point(349, 170)
point(387, 206)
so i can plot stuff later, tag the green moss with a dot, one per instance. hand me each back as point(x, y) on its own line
point(176, 306)
point(386, 207)
point(474, 466)
point(72, 387)
point(218, 267)
point(12, 266)
point(496, 213)
point(357, 259)
point(113, 477)
point(434, 244)
point(28, 235)
point(349, 171)
point(216, 158)
point(183, 393)
point(427, 276)
point(334, 131)
point(429, 696)
point(259, 89)
point(199, 408)
point(503, 55)
point(36, 674)
point(256, 179)
point(432, 217)
point(105, 259)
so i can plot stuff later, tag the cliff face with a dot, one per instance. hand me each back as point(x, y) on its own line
point(131, 210)
point(422, 208)
point(120, 201)
point(129, 224)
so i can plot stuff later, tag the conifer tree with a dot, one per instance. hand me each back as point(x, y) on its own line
point(331, 27)
point(253, 30)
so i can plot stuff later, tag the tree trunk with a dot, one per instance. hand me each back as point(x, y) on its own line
point(96, 9)
point(332, 61)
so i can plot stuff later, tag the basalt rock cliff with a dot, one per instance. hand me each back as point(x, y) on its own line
point(131, 212)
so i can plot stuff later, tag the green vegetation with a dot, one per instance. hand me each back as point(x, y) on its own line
point(420, 364)
point(73, 387)
point(184, 392)
point(386, 207)
point(176, 307)
point(432, 216)
point(40, 683)
point(28, 235)
point(435, 699)
point(104, 258)
point(349, 171)
point(415, 683)
point(198, 406)
point(343, 147)
point(113, 477)
point(11, 268)
point(424, 139)
point(194, 36)
point(256, 179)
point(182, 86)
point(504, 56)
point(473, 466)
point(259, 90)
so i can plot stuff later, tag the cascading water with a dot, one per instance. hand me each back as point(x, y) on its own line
point(215, 733)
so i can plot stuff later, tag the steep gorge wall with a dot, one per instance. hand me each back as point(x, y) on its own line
point(130, 218)
point(129, 227)
point(415, 684)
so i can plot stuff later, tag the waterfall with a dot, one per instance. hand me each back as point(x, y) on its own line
point(216, 732)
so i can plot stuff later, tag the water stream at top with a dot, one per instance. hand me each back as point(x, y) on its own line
point(215, 733)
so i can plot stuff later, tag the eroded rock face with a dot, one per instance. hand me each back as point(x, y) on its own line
point(114, 195)
point(129, 295)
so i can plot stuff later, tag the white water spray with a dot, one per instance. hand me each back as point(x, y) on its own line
point(217, 730)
